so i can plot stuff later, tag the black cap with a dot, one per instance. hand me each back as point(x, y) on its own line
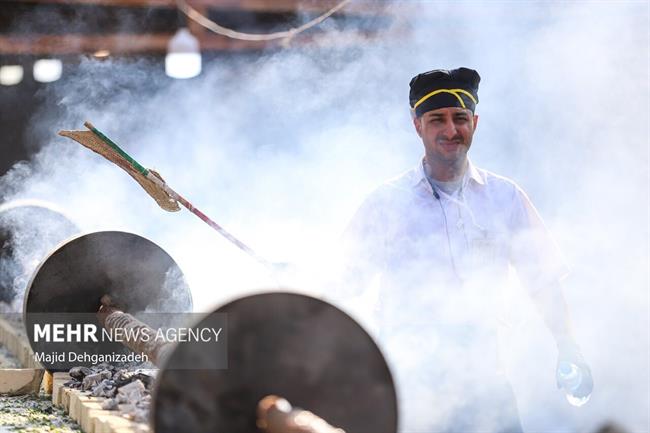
point(441, 88)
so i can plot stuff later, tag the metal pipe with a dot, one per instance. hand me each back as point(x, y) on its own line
point(276, 415)
point(140, 337)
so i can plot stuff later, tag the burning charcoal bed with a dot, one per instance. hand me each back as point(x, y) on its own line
point(126, 390)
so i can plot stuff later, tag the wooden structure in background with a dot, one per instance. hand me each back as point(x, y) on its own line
point(159, 23)
point(73, 29)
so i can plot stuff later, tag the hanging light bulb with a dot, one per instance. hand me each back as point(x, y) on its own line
point(183, 58)
point(47, 70)
point(101, 54)
point(10, 75)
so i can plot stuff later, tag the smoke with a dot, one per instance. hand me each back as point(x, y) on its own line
point(27, 222)
point(281, 148)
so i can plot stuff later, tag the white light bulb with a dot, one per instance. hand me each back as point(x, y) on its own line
point(47, 70)
point(101, 54)
point(183, 58)
point(11, 75)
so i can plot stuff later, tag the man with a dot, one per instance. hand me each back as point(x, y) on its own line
point(441, 239)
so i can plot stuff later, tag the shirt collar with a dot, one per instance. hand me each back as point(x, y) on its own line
point(472, 173)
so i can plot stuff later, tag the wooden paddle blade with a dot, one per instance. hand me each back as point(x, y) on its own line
point(91, 141)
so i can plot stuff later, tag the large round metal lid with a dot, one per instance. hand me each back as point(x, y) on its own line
point(285, 344)
point(135, 272)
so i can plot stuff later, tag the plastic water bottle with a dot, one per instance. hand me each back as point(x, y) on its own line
point(571, 379)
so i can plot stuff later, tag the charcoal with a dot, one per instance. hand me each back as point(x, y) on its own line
point(105, 366)
point(146, 379)
point(140, 414)
point(80, 372)
point(122, 377)
point(90, 381)
point(106, 388)
point(133, 391)
point(72, 384)
point(137, 411)
point(126, 408)
point(110, 404)
point(125, 390)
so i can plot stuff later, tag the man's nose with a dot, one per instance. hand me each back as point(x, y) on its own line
point(449, 131)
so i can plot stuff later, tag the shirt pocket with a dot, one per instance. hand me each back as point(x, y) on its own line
point(487, 249)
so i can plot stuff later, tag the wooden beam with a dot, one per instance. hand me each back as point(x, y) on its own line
point(120, 44)
point(115, 44)
point(365, 7)
point(195, 28)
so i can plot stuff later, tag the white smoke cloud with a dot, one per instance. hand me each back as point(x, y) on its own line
point(280, 149)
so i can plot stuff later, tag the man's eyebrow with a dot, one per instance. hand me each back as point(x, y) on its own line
point(436, 115)
point(461, 113)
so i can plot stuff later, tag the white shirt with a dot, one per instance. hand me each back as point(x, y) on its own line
point(441, 263)
point(486, 225)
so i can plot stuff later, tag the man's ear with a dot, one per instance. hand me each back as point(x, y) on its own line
point(418, 125)
point(475, 121)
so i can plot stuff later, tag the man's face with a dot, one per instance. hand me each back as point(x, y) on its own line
point(446, 133)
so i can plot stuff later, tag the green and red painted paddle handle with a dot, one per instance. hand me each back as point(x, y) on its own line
point(189, 206)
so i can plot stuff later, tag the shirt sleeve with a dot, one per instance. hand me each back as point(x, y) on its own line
point(533, 251)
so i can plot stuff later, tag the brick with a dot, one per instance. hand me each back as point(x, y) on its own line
point(58, 379)
point(113, 423)
point(20, 381)
point(46, 383)
point(65, 399)
point(88, 406)
point(17, 345)
point(74, 411)
point(89, 414)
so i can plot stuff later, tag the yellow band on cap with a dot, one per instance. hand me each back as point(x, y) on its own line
point(454, 92)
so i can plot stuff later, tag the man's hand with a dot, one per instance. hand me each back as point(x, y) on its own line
point(572, 372)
